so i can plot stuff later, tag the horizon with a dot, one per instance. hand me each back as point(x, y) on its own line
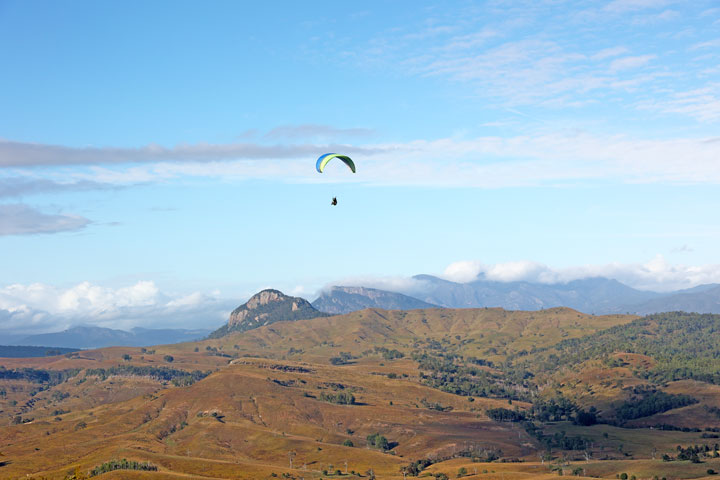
point(157, 161)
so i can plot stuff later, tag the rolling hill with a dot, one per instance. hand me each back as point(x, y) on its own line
point(375, 393)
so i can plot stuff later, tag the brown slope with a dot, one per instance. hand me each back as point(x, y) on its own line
point(243, 419)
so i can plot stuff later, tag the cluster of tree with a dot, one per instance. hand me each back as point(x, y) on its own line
point(693, 453)
point(478, 453)
point(341, 398)
point(560, 441)
point(416, 467)
point(179, 378)
point(649, 401)
point(285, 383)
point(553, 409)
point(586, 418)
point(378, 441)
point(123, 464)
point(344, 358)
point(684, 346)
point(214, 351)
point(451, 373)
point(388, 354)
point(435, 405)
point(49, 377)
point(480, 361)
point(506, 415)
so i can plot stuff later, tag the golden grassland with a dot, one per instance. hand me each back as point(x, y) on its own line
point(261, 408)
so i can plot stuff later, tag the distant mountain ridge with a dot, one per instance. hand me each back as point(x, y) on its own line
point(24, 351)
point(590, 295)
point(339, 300)
point(97, 337)
point(267, 307)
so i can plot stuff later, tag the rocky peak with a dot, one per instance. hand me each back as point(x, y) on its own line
point(265, 297)
point(266, 307)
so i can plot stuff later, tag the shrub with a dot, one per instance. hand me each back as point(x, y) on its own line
point(378, 441)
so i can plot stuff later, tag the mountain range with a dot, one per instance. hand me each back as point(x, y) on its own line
point(591, 295)
point(596, 295)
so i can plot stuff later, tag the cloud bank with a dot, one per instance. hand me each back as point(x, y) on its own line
point(656, 274)
point(41, 308)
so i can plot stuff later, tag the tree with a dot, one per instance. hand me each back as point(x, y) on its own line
point(168, 358)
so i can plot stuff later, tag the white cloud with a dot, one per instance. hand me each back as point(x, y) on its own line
point(390, 283)
point(40, 308)
point(656, 274)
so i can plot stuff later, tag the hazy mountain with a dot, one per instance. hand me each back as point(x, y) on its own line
point(340, 300)
point(591, 295)
point(701, 299)
point(24, 351)
point(266, 307)
point(95, 337)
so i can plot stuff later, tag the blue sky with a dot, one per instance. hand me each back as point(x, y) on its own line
point(157, 158)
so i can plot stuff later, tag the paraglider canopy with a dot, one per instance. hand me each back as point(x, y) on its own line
point(324, 159)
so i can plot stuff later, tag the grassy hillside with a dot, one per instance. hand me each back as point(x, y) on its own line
point(426, 391)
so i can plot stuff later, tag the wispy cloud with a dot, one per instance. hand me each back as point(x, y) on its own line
point(609, 53)
point(16, 186)
point(715, 43)
point(513, 54)
point(312, 131)
point(701, 103)
point(630, 62)
point(21, 219)
point(624, 6)
point(21, 154)
point(541, 158)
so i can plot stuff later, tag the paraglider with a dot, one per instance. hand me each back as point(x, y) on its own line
point(324, 159)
